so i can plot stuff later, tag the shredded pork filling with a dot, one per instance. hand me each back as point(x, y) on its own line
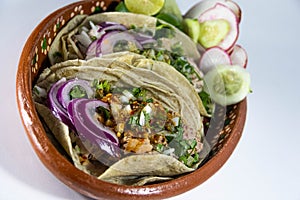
point(140, 124)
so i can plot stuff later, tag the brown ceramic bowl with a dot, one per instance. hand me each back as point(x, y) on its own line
point(226, 131)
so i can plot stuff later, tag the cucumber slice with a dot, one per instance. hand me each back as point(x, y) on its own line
point(192, 28)
point(220, 28)
point(227, 84)
point(213, 32)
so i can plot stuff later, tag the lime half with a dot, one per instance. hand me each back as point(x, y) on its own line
point(146, 7)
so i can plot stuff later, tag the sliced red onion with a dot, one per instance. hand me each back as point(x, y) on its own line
point(57, 109)
point(91, 51)
point(108, 41)
point(148, 41)
point(63, 93)
point(111, 26)
point(93, 32)
point(83, 112)
point(70, 109)
point(143, 38)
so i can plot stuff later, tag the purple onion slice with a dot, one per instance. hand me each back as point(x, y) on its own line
point(64, 91)
point(57, 109)
point(111, 26)
point(83, 115)
point(107, 43)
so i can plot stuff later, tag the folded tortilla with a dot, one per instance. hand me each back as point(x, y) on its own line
point(163, 83)
point(64, 47)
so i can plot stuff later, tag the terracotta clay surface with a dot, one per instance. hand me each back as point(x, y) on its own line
point(34, 58)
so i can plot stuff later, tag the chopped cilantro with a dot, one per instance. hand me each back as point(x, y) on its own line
point(102, 87)
point(103, 112)
point(147, 119)
point(133, 120)
point(159, 147)
point(184, 149)
point(121, 45)
point(164, 31)
point(78, 92)
point(177, 48)
point(206, 100)
point(139, 93)
point(149, 100)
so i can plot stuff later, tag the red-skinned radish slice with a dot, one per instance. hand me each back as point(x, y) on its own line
point(239, 56)
point(213, 57)
point(201, 7)
point(64, 92)
point(235, 8)
point(214, 22)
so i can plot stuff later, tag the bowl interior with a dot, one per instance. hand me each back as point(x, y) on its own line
point(224, 133)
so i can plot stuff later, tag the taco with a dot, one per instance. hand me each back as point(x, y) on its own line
point(104, 33)
point(124, 118)
point(86, 37)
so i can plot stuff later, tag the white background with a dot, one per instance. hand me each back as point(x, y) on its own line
point(266, 162)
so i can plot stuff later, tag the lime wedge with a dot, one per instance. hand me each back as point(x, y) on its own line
point(146, 7)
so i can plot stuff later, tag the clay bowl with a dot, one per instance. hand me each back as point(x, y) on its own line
point(225, 130)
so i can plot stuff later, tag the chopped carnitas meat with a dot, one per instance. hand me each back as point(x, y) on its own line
point(138, 145)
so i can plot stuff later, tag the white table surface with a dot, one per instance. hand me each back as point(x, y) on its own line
point(266, 162)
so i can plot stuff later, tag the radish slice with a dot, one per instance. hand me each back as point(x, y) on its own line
point(235, 8)
point(213, 57)
point(201, 7)
point(214, 19)
point(239, 56)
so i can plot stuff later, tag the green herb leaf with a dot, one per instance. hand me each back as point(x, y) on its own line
point(164, 31)
point(105, 113)
point(193, 144)
point(78, 92)
point(121, 7)
point(149, 100)
point(159, 147)
point(133, 120)
point(206, 100)
point(139, 93)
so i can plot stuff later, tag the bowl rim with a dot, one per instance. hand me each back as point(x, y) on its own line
point(86, 184)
